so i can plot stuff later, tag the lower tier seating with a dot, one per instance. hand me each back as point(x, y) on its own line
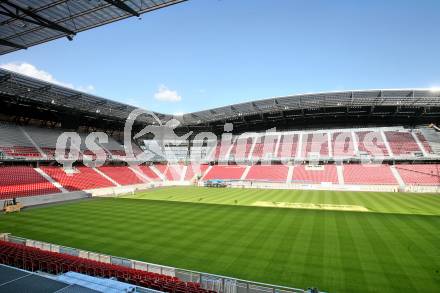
point(23, 181)
point(35, 259)
point(194, 170)
point(275, 173)
point(225, 172)
point(368, 174)
point(147, 171)
point(27, 181)
point(311, 175)
point(83, 178)
point(419, 174)
point(122, 175)
point(171, 172)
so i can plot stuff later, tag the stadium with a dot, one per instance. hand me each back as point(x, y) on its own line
point(317, 192)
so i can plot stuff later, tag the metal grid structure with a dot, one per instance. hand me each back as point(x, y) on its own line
point(330, 103)
point(25, 23)
point(24, 89)
point(411, 102)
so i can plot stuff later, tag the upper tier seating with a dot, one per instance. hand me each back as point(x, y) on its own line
point(14, 143)
point(288, 146)
point(84, 178)
point(371, 142)
point(274, 173)
point(242, 148)
point(420, 174)
point(306, 174)
point(21, 152)
point(424, 143)
point(315, 143)
point(402, 143)
point(225, 172)
point(265, 147)
point(343, 145)
point(19, 141)
point(221, 151)
point(13, 135)
point(23, 181)
point(122, 175)
point(35, 259)
point(368, 174)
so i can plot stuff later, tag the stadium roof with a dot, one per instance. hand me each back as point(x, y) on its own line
point(25, 23)
point(322, 103)
point(23, 89)
point(404, 102)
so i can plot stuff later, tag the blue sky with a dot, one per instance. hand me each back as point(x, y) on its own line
point(207, 53)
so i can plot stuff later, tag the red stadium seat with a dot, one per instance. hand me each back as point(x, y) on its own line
point(368, 174)
point(83, 179)
point(402, 143)
point(326, 173)
point(420, 174)
point(123, 175)
point(33, 259)
point(274, 173)
point(23, 181)
point(225, 172)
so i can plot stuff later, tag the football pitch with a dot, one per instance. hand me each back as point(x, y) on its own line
point(336, 241)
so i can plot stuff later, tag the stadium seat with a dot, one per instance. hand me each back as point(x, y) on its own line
point(368, 174)
point(315, 143)
point(195, 169)
point(23, 181)
point(273, 173)
point(122, 175)
point(402, 143)
point(83, 178)
point(420, 174)
point(312, 175)
point(343, 144)
point(35, 259)
point(225, 172)
point(147, 171)
point(265, 148)
point(241, 149)
point(371, 143)
point(288, 146)
point(171, 172)
point(424, 143)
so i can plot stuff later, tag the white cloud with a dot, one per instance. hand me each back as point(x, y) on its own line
point(88, 88)
point(164, 94)
point(32, 71)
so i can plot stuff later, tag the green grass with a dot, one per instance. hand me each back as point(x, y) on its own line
point(395, 248)
point(383, 202)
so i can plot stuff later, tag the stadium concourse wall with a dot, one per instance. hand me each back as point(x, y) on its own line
point(131, 189)
point(216, 283)
point(36, 200)
point(322, 186)
point(29, 201)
